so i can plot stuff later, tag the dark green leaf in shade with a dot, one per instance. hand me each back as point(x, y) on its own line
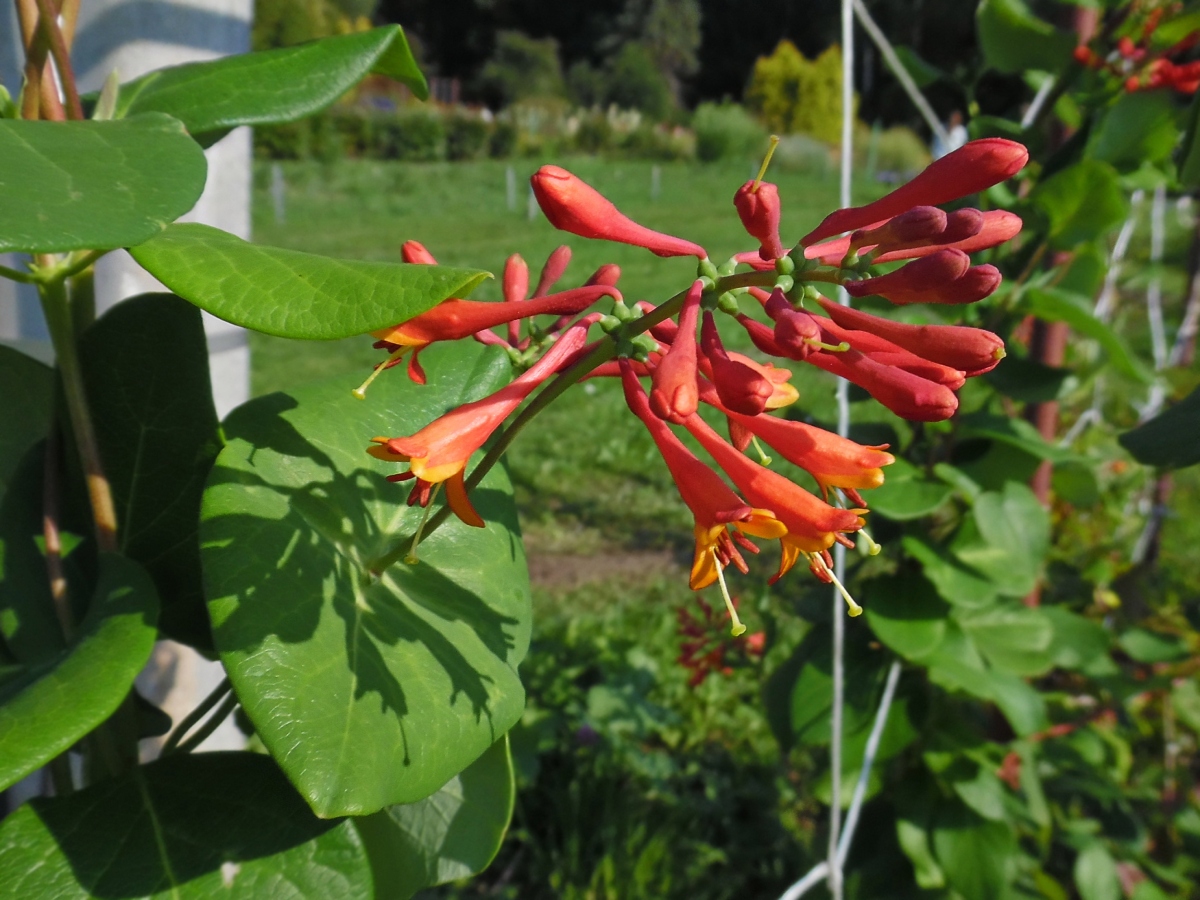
point(1096, 874)
point(977, 855)
point(908, 615)
point(907, 494)
point(47, 706)
point(1171, 440)
point(1027, 380)
point(1075, 483)
point(26, 393)
point(1189, 156)
point(1013, 638)
point(1082, 202)
point(94, 185)
point(1016, 433)
point(955, 581)
point(205, 826)
point(1015, 40)
point(1013, 531)
point(1079, 644)
point(983, 793)
point(922, 72)
point(451, 834)
point(293, 294)
point(1055, 305)
point(914, 812)
point(145, 363)
point(271, 86)
point(369, 691)
point(1140, 127)
point(1152, 647)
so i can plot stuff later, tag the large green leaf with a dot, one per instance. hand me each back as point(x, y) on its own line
point(1079, 643)
point(1013, 638)
point(146, 368)
point(452, 834)
point(1015, 40)
point(294, 294)
point(1096, 874)
point(1140, 127)
point(48, 706)
point(271, 86)
point(205, 826)
point(977, 855)
point(907, 493)
point(94, 185)
point(955, 581)
point(1055, 305)
point(908, 616)
point(1014, 537)
point(1171, 440)
point(26, 392)
point(1082, 202)
point(369, 691)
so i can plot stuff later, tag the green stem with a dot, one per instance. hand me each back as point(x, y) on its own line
point(603, 352)
point(15, 275)
point(747, 279)
point(189, 721)
point(210, 726)
point(59, 319)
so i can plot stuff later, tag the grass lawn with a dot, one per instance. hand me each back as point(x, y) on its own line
point(587, 476)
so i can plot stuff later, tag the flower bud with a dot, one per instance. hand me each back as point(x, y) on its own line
point(673, 392)
point(516, 278)
point(757, 205)
point(971, 168)
point(415, 252)
point(886, 353)
point(552, 271)
point(908, 396)
point(573, 206)
point(609, 273)
point(740, 387)
point(916, 279)
point(919, 224)
point(998, 226)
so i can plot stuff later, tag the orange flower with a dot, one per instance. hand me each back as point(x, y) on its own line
point(907, 395)
point(673, 388)
point(741, 387)
point(715, 507)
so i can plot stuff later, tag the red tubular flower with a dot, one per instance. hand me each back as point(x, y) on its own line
point(552, 271)
point(740, 387)
point(921, 224)
point(439, 452)
point(516, 288)
point(886, 353)
point(972, 351)
point(714, 505)
point(609, 273)
point(832, 460)
point(574, 206)
point(763, 337)
point(795, 330)
point(415, 252)
point(812, 524)
point(908, 396)
point(971, 168)
point(998, 226)
point(945, 277)
point(757, 204)
point(673, 393)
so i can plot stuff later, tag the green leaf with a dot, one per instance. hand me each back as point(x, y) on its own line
point(94, 185)
point(977, 855)
point(48, 706)
point(1096, 874)
point(188, 827)
point(1015, 433)
point(1014, 529)
point(369, 691)
point(26, 394)
point(955, 581)
point(1083, 202)
point(1171, 440)
point(907, 494)
point(923, 73)
point(1189, 155)
point(1014, 39)
point(1151, 647)
point(1185, 699)
point(452, 834)
point(1027, 380)
point(983, 793)
point(908, 616)
point(1140, 127)
point(293, 294)
point(273, 85)
point(1079, 643)
point(145, 364)
point(1015, 639)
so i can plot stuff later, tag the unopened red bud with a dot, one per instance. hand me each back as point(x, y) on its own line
point(998, 226)
point(609, 273)
point(918, 278)
point(673, 392)
point(795, 330)
point(739, 435)
point(757, 205)
point(762, 336)
point(908, 396)
point(1084, 55)
point(415, 252)
point(741, 388)
point(921, 223)
point(574, 206)
point(886, 353)
point(516, 278)
point(972, 351)
point(971, 168)
point(552, 271)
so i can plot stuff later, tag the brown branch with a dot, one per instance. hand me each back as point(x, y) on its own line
point(50, 508)
point(62, 56)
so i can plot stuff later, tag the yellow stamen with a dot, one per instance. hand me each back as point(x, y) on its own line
point(832, 348)
point(360, 392)
point(872, 547)
point(738, 628)
point(855, 609)
point(762, 455)
point(412, 559)
point(766, 162)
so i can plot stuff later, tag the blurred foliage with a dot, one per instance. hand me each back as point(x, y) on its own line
point(726, 131)
point(795, 95)
point(521, 68)
point(283, 23)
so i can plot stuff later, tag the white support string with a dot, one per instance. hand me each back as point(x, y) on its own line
point(1154, 315)
point(818, 873)
point(1039, 100)
point(901, 73)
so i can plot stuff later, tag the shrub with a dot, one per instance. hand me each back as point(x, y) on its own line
point(415, 137)
point(658, 142)
point(466, 137)
point(635, 82)
point(520, 68)
point(901, 150)
point(595, 133)
point(797, 96)
point(503, 141)
point(726, 131)
point(801, 153)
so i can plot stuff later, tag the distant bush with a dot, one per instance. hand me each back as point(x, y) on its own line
point(801, 153)
point(503, 140)
point(657, 142)
point(414, 137)
point(595, 133)
point(901, 150)
point(635, 82)
point(466, 137)
point(726, 131)
point(522, 68)
point(795, 95)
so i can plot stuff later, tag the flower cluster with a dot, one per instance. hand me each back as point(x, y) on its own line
point(677, 346)
point(1142, 67)
point(703, 650)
